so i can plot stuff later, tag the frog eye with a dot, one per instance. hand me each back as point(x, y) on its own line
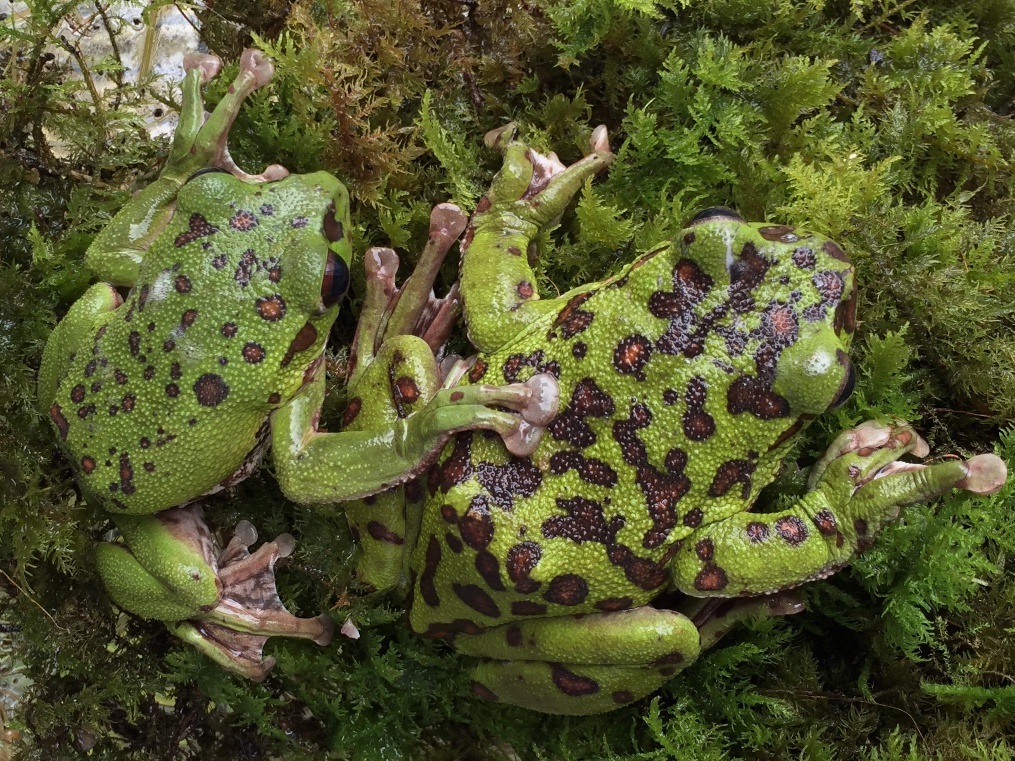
point(848, 382)
point(336, 280)
point(206, 170)
point(714, 214)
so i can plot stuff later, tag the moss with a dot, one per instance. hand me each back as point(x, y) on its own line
point(884, 124)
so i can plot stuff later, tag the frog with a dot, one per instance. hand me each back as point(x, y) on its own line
point(200, 348)
point(586, 574)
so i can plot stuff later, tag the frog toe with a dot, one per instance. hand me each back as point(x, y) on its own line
point(210, 65)
point(523, 440)
point(544, 400)
point(256, 64)
point(985, 474)
point(500, 138)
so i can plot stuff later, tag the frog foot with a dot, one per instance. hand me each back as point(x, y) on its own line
point(879, 483)
point(200, 143)
point(389, 311)
point(249, 610)
point(873, 449)
point(535, 402)
point(543, 183)
point(226, 606)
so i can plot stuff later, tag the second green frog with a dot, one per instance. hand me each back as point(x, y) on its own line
point(684, 382)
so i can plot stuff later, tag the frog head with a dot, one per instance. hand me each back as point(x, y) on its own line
point(792, 301)
point(276, 269)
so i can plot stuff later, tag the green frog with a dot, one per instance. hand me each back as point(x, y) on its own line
point(213, 352)
point(684, 381)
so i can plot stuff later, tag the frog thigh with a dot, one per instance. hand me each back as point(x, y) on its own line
point(581, 665)
point(398, 382)
point(68, 336)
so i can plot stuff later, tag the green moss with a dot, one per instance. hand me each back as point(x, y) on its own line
point(884, 124)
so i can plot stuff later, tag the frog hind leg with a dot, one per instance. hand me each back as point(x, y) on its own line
point(397, 383)
point(858, 487)
point(389, 382)
point(401, 386)
point(74, 330)
point(581, 665)
point(227, 606)
point(720, 616)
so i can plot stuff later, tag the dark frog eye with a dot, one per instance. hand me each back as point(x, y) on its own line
point(336, 271)
point(336, 280)
point(714, 214)
point(848, 381)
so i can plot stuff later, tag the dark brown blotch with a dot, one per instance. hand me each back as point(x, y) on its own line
point(711, 578)
point(478, 370)
point(198, 227)
point(792, 529)
point(572, 684)
point(631, 356)
point(61, 422)
point(243, 221)
point(611, 604)
point(698, 424)
point(253, 352)
point(566, 589)
point(306, 338)
point(756, 531)
point(732, 472)
point(351, 411)
point(488, 568)
point(476, 526)
point(778, 234)
point(476, 598)
point(382, 533)
point(480, 690)
point(427, 588)
point(270, 308)
point(521, 560)
point(834, 251)
point(210, 390)
point(753, 395)
point(825, 521)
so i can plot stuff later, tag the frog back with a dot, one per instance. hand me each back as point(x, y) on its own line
point(171, 393)
point(672, 417)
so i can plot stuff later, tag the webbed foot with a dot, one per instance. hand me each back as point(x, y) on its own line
point(226, 605)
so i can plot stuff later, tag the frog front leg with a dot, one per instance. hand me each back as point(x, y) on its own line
point(225, 604)
point(857, 487)
point(529, 192)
